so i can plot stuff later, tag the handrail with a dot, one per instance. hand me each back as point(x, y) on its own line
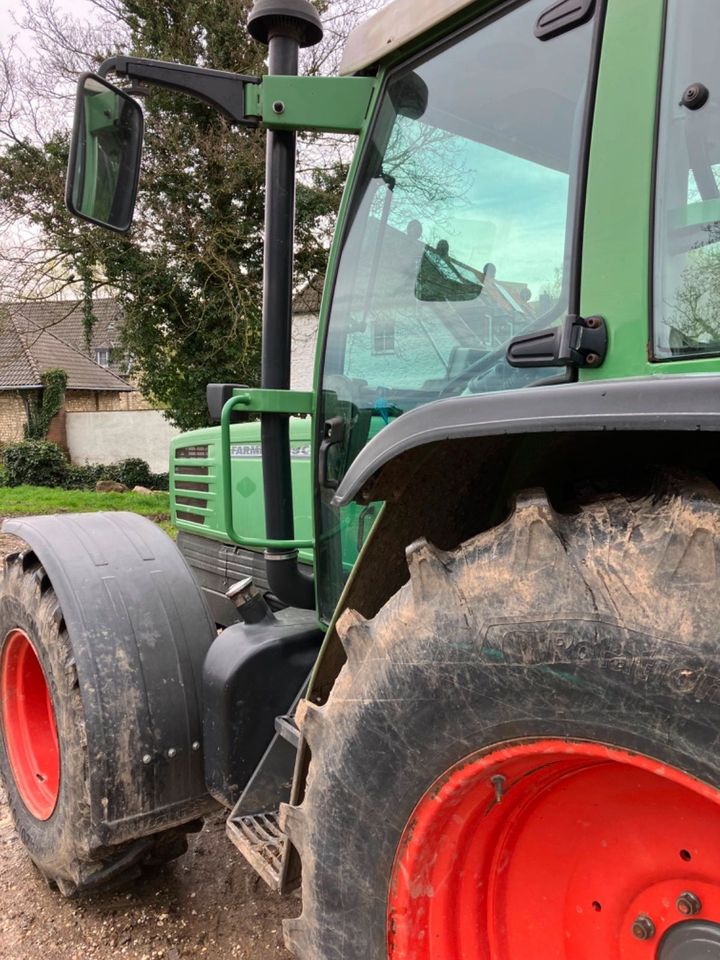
point(244, 400)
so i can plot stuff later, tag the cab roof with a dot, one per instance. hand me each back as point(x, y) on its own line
point(392, 27)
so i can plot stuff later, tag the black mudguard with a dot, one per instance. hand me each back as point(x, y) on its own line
point(139, 631)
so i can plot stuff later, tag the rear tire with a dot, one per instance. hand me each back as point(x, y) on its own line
point(548, 637)
point(53, 821)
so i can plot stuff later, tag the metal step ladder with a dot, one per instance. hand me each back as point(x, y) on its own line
point(253, 824)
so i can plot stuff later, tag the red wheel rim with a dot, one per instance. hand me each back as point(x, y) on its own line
point(29, 727)
point(552, 850)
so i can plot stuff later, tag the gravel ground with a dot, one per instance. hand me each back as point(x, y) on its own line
point(209, 904)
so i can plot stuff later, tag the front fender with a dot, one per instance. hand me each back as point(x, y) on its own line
point(139, 631)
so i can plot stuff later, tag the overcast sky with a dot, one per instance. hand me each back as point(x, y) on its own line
point(11, 11)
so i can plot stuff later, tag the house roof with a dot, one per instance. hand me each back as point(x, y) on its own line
point(64, 318)
point(28, 349)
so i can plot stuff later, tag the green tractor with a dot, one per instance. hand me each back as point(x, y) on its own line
point(478, 717)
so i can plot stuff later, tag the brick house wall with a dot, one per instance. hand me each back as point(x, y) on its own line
point(12, 416)
point(13, 413)
point(91, 401)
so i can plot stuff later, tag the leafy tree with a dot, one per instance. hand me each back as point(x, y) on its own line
point(694, 311)
point(189, 275)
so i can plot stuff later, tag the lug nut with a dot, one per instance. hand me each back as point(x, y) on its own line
point(643, 928)
point(688, 904)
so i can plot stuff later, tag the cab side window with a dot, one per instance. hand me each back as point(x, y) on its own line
point(687, 204)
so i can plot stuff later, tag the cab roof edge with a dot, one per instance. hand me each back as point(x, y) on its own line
point(392, 27)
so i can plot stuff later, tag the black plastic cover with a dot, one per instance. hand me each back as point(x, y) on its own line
point(295, 18)
point(139, 631)
point(253, 674)
point(218, 395)
point(691, 940)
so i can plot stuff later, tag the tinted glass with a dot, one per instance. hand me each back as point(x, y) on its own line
point(687, 205)
point(105, 154)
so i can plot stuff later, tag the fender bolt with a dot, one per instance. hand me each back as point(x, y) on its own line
point(643, 928)
point(196, 745)
point(172, 752)
point(688, 904)
point(147, 758)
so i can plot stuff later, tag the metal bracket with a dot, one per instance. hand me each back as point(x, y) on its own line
point(295, 403)
point(331, 104)
point(578, 342)
point(219, 88)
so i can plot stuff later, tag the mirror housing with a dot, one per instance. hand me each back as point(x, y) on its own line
point(105, 153)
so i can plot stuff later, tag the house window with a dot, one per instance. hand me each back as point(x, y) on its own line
point(384, 336)
point(102, 356)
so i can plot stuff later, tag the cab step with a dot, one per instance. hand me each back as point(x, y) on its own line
point(253, 824)
point(262, 843)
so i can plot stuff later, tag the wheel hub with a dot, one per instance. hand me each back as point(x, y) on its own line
point(691, 940)
point(28, 725)
point(562, 850)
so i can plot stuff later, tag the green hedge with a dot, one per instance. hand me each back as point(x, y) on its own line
point(37, 462)
point(41, 463)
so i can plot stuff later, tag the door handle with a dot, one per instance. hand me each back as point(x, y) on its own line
point(333, 434)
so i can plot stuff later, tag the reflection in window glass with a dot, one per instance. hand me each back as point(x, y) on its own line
point(687, 205)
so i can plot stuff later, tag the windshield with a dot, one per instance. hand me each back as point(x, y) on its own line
point(459, 237)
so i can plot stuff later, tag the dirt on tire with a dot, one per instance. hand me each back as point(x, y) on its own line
point(208, 904)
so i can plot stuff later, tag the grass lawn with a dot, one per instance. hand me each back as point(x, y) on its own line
point(26, 501)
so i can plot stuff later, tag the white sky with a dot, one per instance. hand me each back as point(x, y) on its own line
point(11, 11)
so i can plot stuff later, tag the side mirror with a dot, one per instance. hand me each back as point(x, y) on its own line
point(105, 154)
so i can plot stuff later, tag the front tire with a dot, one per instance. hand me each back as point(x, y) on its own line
point(519, 757)
point(44, 761)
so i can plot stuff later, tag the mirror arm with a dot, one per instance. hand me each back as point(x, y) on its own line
point(219, 88)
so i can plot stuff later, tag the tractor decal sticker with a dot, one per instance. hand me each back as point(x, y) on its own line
point(253, 451)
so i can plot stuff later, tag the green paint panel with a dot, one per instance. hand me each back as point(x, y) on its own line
point(246, 484)
point(331, 104)
point(617, 238)
point(616, 243)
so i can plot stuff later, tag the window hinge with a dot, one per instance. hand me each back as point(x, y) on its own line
point(577, 342)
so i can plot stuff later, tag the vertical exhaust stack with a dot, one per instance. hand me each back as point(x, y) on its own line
point(284, 26)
